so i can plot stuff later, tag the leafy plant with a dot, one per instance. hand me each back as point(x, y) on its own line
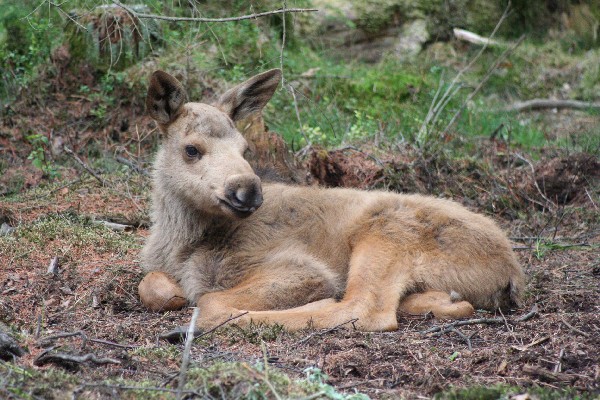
point(38, 156)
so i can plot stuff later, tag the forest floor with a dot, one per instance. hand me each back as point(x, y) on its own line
point(92, 294)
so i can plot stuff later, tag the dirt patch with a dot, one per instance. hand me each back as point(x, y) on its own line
point(565, 179)
point(95, 292)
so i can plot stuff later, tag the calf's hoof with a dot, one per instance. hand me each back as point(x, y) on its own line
point(159, 292)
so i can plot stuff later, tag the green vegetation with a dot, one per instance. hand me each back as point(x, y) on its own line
point(219, 380)
point(501, 392)
point(327, 100)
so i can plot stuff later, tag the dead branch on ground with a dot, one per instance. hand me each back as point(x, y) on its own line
point(200, 19)
point(84, 165)
point(133, 166)
point(307, 338)
point(540, 104)
point(179, 333)
point(45, 341)
point(68, 360)
point(439, 330)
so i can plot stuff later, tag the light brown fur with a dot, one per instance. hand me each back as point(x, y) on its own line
point(302, 255)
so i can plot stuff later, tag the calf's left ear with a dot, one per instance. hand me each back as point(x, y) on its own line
point(249, 97)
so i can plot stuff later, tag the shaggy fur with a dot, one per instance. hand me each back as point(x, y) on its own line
point(297, 255)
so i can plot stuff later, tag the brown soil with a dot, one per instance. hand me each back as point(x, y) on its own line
point(95, 292)
point(554, 225)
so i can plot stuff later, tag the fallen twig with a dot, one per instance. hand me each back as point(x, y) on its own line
point(307, 338)
point(84, 165)
point(64, 359)
point(474, 38)
point(571, 327)
point(439, 330)
point(178, 333)
point(133, 166)
point(49, 339)
point(466, 338)
point(199, 19)
point(548, 376)
point(533, 343)
point(539, 104)
point(113, 225)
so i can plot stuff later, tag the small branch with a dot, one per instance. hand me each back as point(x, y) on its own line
point(113, 225)
point(571, 327)
point(133, 166)
point(62, 358)
point(178, 333)
point(548, 376)
point(84, 165)
point(468, 36)
point(439, 330)
point(372, 157)
point(466, 338)
point(486, 77)
point(49, 339)
point(539, 104)
point(186, 353)
point(306, 339)
point(534, 343)
point(199, 19)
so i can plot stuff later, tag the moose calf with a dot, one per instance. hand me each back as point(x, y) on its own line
point(299, 256)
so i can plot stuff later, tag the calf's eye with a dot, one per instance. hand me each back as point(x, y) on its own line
point(191, 151)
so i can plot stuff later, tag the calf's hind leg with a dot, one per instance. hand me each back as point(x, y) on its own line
point(441, 304)
point(377, 279)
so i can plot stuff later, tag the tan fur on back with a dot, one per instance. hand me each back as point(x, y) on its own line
point(307, 254)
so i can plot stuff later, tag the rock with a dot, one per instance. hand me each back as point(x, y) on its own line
point(413, 36)
point(6, 229)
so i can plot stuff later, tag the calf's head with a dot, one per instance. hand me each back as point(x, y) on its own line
point(202, 156)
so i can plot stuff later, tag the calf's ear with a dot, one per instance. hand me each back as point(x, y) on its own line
point(249, 97)
point(166, 97)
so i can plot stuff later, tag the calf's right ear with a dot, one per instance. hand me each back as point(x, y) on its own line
point(165, 97)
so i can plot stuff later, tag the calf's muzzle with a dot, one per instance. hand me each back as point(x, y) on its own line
point(243, 193)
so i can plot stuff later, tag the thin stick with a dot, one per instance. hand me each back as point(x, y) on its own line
point(186, 353)
point(487, 76)
point(439, 330)
point(176, 333)
point(282, 43)
point(539, 104)
point(199, 19)
point(85, 339)
point(84, 165)
point(132, 165)
point(571, 327)
point(352, 321)
point(464, 337)
point(535, 181)
point(435, 109)
point(293, 92)
point(57, 358)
